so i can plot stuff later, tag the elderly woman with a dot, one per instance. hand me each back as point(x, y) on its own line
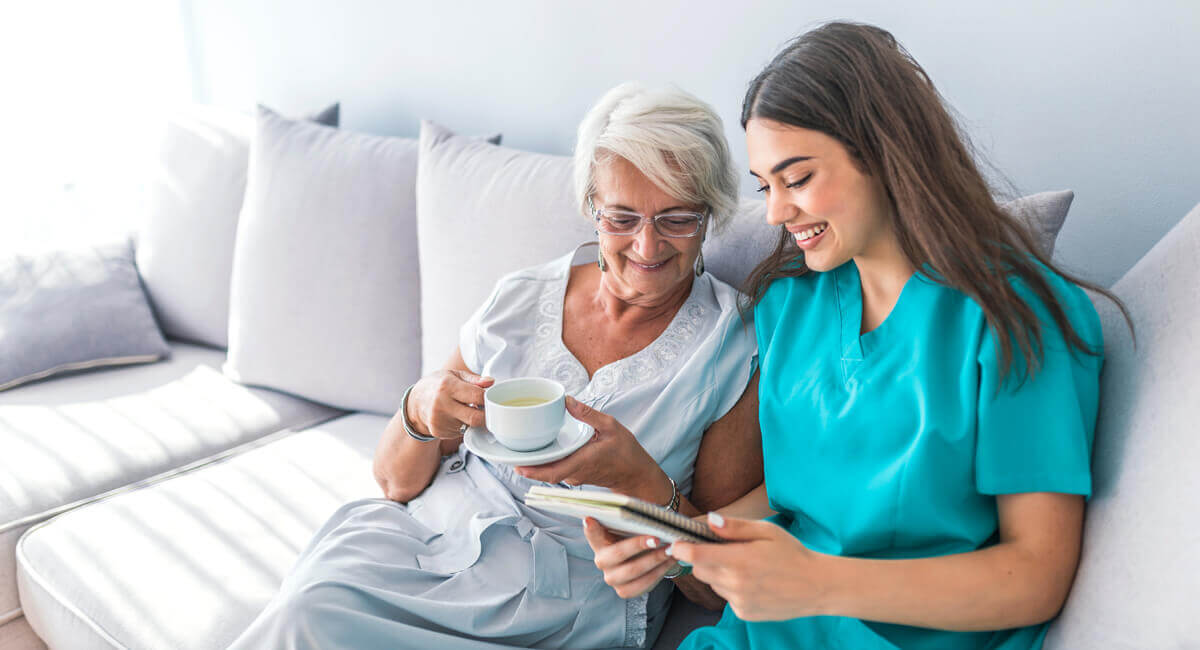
point(631, 326)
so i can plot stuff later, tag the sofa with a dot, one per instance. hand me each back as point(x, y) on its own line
point(302, 275)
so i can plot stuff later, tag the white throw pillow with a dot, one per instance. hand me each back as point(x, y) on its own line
point(483, 211)
point(184, 249)
point(324, 300)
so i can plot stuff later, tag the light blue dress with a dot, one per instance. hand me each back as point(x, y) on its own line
point(466, 564)
point(893, 444)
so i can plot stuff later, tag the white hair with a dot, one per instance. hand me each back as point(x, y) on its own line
point(671, 136)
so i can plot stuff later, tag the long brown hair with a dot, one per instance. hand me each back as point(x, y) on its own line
point(858, 85)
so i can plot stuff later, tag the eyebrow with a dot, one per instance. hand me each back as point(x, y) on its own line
point(784, 164)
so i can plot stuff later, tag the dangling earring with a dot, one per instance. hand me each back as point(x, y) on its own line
point(600, 260)
point(700, 264)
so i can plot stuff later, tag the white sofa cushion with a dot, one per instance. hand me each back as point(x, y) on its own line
point(324, 300)
point(69, 440)
point(185, 239)
point(1139, 568)
point(190, 562)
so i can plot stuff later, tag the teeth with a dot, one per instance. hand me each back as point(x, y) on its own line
point(811, 232)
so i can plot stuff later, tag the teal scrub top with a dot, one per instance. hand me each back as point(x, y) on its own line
point(893, 444)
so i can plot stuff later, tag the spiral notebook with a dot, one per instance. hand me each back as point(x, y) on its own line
point(622, 514)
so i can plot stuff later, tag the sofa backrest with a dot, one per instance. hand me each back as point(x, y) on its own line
point(1139, 577)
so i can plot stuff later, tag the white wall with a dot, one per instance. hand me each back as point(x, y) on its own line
point(1099, 97)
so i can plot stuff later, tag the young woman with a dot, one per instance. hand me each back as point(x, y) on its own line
point(928, 382)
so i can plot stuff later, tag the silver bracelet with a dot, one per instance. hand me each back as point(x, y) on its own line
point(408, 427)
point(677, 571)
point(673, 504)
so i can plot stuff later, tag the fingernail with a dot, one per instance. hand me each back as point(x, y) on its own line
point(715, 519)
point(652, 543)
point(671, 550)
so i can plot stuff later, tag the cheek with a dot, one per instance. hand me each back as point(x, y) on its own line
point(823, 201)
point(614, 245)
point(688, 249)
point(840, 205)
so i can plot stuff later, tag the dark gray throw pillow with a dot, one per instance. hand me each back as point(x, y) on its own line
point(72, 310)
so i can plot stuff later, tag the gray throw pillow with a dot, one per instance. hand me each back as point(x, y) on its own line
point(325, 298)
point(1044, 213)
point(72, 310)
point(185, 241)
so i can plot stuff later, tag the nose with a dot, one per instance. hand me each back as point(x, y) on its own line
point(648, 242)
point(779, 211)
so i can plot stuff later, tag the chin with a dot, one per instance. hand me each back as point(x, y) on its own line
point(822, 263)
point(667, 280)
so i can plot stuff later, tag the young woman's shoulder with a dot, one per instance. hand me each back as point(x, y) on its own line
point(790, 294)
point(1076, 305)
point(1075, 302)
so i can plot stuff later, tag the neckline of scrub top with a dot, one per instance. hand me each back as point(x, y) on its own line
point(856, 346)
point(561, 294)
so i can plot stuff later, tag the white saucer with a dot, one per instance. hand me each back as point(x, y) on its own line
point(573, 435)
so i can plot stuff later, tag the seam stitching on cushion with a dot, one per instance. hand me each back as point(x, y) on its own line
point(81, 365)
point(9, 617)
point(35, 578)
point(167, 475)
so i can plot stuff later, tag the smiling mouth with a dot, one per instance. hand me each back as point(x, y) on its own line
point(649, 267)
point(811, 232)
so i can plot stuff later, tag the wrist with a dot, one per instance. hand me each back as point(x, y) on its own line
point(658, 490)
point(824, 570)
point(413, 426)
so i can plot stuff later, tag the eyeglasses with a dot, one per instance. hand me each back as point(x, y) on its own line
point(668, 224)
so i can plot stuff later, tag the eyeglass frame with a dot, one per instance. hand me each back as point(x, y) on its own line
point(642, 219)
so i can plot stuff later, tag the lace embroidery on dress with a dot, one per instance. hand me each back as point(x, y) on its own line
point(554, 361)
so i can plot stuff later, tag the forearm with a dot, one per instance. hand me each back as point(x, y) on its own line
point(404, 466)
point(1000, 587)
point(752, 505)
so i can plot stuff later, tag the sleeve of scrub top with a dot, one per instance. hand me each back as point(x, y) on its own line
point(1036, 435)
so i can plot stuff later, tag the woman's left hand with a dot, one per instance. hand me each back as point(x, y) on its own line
point(613, 458)
point(764, 572)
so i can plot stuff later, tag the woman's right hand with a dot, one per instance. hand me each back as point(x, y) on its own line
point(631, 565)
point(442, 402)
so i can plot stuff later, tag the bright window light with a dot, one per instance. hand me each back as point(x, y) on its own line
point(86, 86)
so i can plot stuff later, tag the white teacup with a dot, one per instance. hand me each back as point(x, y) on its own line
point(525, 413)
